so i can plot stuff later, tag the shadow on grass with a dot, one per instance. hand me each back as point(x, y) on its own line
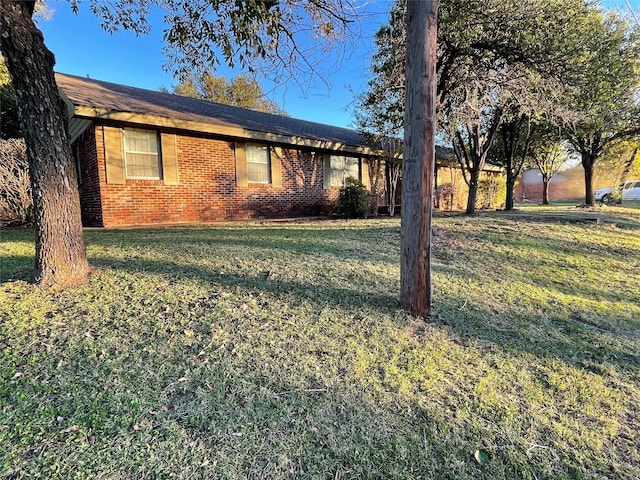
point(210, 415)
point(322, 295)
point(180, 406)
point(575, 339)
point(336, 242)
point(625, 220)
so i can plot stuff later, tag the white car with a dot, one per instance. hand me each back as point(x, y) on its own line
point(627, 191)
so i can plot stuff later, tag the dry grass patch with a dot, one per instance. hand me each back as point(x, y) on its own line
point(280, 351)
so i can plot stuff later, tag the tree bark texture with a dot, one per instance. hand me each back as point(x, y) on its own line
point(60, 250)
point(419, 157)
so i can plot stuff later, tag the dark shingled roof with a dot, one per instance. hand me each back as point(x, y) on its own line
point(92, 93)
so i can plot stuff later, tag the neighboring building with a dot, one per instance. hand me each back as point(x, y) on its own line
point(451, 190)
point(529, 187)
point(148, 157)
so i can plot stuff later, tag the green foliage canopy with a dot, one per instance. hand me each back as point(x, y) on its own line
point(241, 91)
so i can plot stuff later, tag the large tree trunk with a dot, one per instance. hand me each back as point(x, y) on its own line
point(60, 251)
point(588, 161)
point(474, 181)
point(419, 157)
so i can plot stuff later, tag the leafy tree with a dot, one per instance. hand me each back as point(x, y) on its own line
point(472, 122)
point(263, 34)
point(604, 91)
point(241, 91)
point(516, 134)
point(377, 116)
point(620, 161)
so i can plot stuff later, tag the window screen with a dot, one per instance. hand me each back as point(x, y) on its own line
point(257, 163)
point(141, 153)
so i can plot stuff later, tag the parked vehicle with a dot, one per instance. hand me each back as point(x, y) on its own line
point(626, 191)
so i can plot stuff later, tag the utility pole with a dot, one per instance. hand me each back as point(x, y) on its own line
point(418, 157)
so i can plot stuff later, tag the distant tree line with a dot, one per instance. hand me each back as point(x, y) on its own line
point(513, 92)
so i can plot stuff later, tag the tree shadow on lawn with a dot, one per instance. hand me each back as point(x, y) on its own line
point(16, 267)
point(223, 420)
point(322, 295)
point(342, 243)
point(573, 339)
point(624, 220)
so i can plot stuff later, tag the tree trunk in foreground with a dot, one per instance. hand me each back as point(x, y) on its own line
point(419, 157)
point(61, 258)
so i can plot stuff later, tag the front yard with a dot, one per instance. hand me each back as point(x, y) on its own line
point(269, 350)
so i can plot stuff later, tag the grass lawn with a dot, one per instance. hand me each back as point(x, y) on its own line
point(268, 350)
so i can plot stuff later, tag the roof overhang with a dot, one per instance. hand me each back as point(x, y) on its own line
point(93, 113)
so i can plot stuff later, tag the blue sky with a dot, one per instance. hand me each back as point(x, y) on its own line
point(83, 48)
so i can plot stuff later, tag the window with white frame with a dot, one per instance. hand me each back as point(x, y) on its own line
point(341, 168)
point(257, 163)
point(141, 154)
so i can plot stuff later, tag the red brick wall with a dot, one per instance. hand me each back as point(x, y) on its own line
point(532, 191)
point(206, 189)
point(86, 152)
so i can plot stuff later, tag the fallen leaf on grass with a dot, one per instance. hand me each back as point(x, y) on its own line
point(72, 428)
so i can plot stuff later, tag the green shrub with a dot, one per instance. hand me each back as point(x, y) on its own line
point(491, 192)
point(353, 199)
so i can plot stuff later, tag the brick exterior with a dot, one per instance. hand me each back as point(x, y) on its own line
point(206, 189)
point(86, 151)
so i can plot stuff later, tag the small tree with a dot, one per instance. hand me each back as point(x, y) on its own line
point(472, 122)
point(604, 92)
point(549, 156)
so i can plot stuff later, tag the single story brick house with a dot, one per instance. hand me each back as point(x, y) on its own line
point(147, 157)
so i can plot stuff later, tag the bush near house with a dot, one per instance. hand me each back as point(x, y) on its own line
point(491, 192)
point(353, 199)
point(452, 191)
point(15, 188)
